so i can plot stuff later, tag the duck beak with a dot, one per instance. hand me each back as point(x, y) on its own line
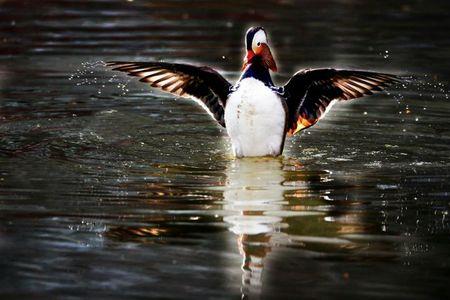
point(263, 51)
point(247, 59)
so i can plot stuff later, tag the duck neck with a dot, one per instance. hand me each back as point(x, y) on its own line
point(258, 71)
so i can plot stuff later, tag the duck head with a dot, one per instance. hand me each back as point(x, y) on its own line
point(258, 48)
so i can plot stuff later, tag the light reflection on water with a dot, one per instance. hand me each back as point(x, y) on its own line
point(258, 212)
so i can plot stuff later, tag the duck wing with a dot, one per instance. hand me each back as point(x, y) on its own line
point(203, 84)
point(310, 93)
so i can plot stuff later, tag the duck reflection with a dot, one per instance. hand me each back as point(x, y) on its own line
point(253, 194)
point(253, 188)
point(267, 203)
point(271, 202)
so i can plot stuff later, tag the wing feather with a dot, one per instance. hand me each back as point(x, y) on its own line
point(201, 83)
point(309, 93)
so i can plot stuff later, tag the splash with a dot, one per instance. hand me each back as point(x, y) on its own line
point(426, 86)
point(415, 94)
point(89, 74)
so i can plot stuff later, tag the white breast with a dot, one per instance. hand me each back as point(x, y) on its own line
point(255, 120)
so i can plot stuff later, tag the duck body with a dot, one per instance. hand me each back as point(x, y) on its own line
point(255, 119)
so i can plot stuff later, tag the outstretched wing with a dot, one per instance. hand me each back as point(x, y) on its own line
point(201, 83)
point(311, 92)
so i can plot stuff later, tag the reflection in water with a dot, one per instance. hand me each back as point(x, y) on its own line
point(255, 197)
point(254, 190)
point(271, 202)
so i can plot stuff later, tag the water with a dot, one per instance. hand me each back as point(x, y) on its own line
point(111, 190)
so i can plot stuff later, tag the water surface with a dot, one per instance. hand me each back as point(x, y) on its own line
point(111, 190)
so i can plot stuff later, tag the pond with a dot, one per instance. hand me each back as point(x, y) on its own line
point(109, 189)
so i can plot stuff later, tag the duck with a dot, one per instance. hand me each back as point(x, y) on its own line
point(256, 113)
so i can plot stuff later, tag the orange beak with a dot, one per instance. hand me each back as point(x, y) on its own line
point(263, 51)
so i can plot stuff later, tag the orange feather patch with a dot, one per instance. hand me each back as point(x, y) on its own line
point(301, 124)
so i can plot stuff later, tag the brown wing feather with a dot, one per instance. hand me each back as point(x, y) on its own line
point(310, 92)
point(201, 83)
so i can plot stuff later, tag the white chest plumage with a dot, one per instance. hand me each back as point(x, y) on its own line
point(255, 120)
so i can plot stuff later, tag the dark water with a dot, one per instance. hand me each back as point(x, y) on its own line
point(109, 190)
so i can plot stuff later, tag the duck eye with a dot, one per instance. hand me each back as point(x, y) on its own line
point(258, 44)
